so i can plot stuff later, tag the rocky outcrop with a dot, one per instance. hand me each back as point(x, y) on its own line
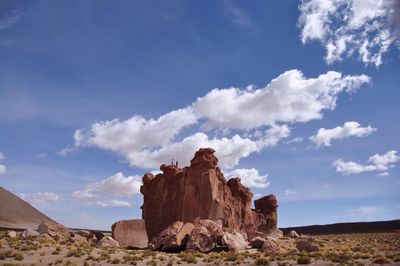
point(55, 230)
point(200, 191)
point(130, 233)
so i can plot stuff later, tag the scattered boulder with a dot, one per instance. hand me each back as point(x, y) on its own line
point(166, 235)
point(55, 230)
point(130, 233)
point(11, 234)
point(84, 233)
point(95, 236)
point(257, 242)
point(78, 239)
point(270, 246)
point(178, 242)
point(234, 240)
point(30, 233)
point(293, 251)
point(205, 236)
point(108, 241)
point(293, 234)
point(306, 246)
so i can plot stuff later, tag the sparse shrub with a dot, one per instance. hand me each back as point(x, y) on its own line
point(115, 261)
point(303, 260)
point(18, 256)
point(261, 261)
point(230, 256)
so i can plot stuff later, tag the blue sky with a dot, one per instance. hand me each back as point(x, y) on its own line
point(93, 94)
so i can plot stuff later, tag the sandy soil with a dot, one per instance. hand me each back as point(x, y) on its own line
point(349, 249)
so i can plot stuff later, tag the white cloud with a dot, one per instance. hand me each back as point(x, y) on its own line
point(366, 28)
point(41, 197)
point(295, 140)
point(250, 177)
point(289, 98)
point(116, 185)
point(119, 184)
point(3, 169)
point(83, 194)
point(228, 150)
point(148, 143)
point(325, 136)
point(290, 192)
point(383, 174)
point(135, 133)
point(2, 157)
point(111, 203)
point(377, 162)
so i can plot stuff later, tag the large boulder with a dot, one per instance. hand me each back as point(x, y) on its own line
point(257, 242)
point(200, 191)
point(270, 246)
point(11, 234)
point(234, 240)
point(30, 233)
point(55, 230)
point(305, 245)
point(130, 233)
point(293, 234)
point(204, 236)
point(172, 239)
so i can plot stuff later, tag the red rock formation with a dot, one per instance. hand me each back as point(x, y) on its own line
point(200, 191)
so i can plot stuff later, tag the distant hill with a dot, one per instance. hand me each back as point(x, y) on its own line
point(346, 228)
point(17, 213)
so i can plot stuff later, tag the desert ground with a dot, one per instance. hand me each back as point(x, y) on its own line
point(345, 249)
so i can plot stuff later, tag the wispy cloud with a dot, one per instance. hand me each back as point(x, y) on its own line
point(237, 15)
point(10, 14)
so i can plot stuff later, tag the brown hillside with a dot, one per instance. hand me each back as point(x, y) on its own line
point(17, 213)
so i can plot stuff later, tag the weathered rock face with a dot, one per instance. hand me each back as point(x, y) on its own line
point(55, 230)
point(200, 191)
point(130, 233)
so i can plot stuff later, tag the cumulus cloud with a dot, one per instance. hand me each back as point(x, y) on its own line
point(228, 150)
point(135, 133)
point(115, 185)
point(250, 177)
point(289, 98)
point(377, 162)
point(365, 28)
point(41, 197)
point(325, 136)
point(119, 184)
